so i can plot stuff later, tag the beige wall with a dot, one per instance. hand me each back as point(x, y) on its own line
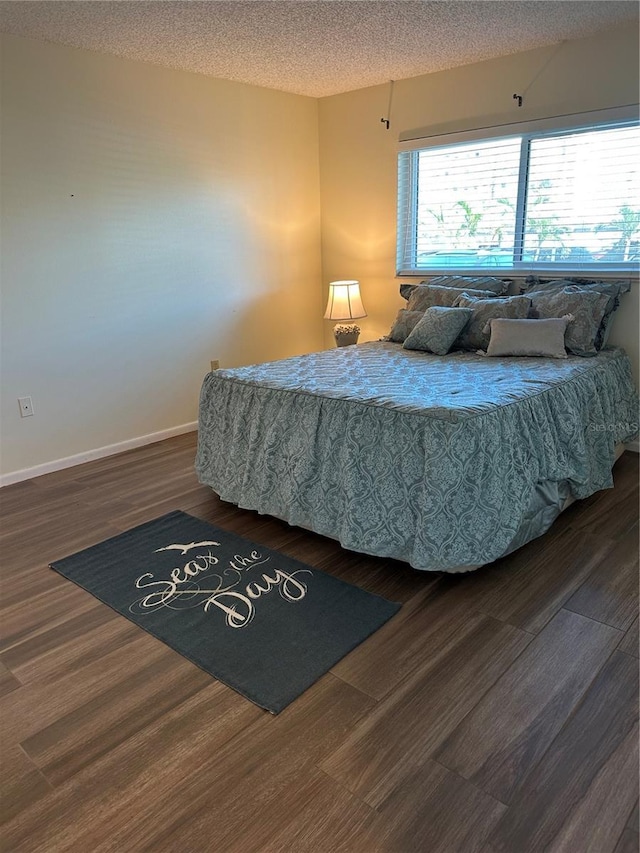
point(152, 220)
point(358, 155)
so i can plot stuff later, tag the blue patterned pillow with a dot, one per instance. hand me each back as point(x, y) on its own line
point(476, 333)
point(613, 289)
point(588, 308)
point(424, 296)
point(488, 283)
point(404, 324)
point(438, 329)
point(484, 284)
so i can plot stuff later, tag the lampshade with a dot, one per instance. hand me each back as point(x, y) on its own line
point(345, 302)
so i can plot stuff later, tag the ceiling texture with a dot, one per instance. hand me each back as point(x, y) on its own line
point(309, 47)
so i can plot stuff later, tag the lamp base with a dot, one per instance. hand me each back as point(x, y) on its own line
point(346, 335)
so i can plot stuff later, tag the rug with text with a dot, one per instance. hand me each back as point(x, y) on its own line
point(264, 624)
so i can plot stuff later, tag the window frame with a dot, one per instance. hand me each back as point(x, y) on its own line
point(407, 197)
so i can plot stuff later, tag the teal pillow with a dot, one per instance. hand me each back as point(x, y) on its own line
point(588, 308)
point(404, 323)
point(476, 333)
point(438, 329)
point(489, 283)
point(613, 289)
point(427, 295)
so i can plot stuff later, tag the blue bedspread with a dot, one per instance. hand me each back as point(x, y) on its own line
point(429, 459)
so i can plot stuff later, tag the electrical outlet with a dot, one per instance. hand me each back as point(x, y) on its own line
point(26, 407)
point(215, 364)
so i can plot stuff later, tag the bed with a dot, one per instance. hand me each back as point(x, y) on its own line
point(446, 462)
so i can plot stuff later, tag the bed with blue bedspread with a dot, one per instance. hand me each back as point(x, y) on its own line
point(445, 462)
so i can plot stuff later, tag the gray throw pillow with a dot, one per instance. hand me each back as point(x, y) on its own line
point(438, 329)
point(528, 337)
point(613, 289)
point(404, 324)
point(426, 295)
point(588, 309)
point(488, 283)
point(475, 334)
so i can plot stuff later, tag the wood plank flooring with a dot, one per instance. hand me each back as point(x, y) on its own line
point(497, 712)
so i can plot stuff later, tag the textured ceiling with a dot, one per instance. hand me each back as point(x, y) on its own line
point(308, 47)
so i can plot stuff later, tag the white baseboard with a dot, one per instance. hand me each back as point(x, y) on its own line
point(98, 453)
point(130, 444)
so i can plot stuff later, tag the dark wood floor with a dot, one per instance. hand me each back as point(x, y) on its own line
point(496, 712)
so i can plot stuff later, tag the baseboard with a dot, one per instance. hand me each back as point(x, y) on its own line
point(98, 453)
point(130, 444)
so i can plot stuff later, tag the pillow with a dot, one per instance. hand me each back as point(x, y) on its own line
point(532, 282)
point(473, 336)
point(528, 337)
point(438, 329)
point(484, 285)
point(404, 324)
point(489, 283)
point(613, 289)
point(426, 295)
point(407, 289)
point(588, 309)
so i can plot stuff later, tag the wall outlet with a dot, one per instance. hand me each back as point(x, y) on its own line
point(26, 407)
point(215, 364)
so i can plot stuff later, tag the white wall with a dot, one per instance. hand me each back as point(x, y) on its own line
point(358, 156)
point(152, 220)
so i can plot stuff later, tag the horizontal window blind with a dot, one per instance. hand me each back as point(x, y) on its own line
point(557, 200)
point(580, 188)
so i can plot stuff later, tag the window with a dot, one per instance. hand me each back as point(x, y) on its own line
point(554, 200)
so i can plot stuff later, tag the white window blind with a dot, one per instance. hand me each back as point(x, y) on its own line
point(550, 200)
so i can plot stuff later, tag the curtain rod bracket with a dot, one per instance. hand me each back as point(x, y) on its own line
point(387, 121)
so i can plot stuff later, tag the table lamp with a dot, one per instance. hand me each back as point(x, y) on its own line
point(345, 303)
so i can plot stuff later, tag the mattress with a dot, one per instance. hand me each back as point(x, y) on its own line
point(433, 460)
